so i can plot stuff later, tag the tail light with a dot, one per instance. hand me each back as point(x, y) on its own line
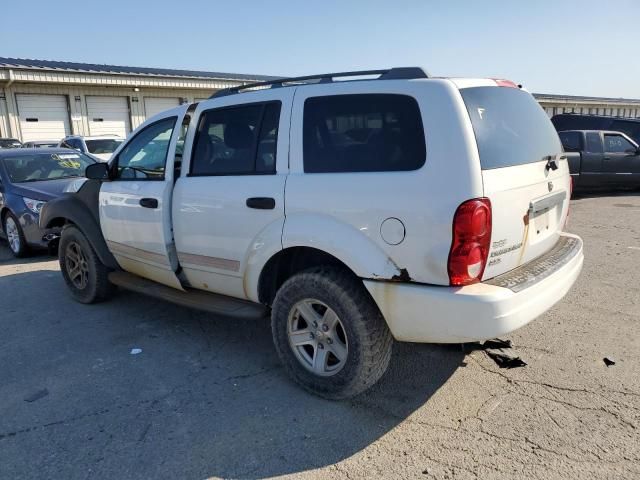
point(570, 187)
point(501, 82)
point(471, 242)
point(566, 219)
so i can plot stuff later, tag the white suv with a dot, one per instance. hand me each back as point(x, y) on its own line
point(101, 147)
point(354, 212)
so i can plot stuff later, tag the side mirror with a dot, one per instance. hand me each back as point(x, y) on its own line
point(97, 171)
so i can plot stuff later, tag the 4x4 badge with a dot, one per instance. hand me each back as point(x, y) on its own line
point(550, 186)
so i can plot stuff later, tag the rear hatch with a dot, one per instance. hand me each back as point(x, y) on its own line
point(523, 174)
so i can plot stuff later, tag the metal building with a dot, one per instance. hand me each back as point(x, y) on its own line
point(613, 107)
point(46, 100)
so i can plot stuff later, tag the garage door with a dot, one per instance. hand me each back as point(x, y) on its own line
point(108, 116)
point(43, 117)
point(154, 105)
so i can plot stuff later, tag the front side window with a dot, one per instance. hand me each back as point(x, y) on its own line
point(571, 141)
point(239, 140)
point(145, 156)
point(617, 144)
point(630, 127)
point(362, 133)
point(594, 144)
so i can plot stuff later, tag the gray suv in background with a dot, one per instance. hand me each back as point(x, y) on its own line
point(101, 147)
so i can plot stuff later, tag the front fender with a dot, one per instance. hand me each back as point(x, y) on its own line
point(345, 242)
point(77, 208)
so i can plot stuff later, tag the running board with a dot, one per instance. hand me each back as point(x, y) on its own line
point(190, 298)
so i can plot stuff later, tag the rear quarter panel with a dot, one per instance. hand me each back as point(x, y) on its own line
point(424, 200)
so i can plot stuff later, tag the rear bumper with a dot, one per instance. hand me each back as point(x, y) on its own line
point(431, 314)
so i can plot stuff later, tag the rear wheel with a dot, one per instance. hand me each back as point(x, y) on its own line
point(82, 270)
point(329, 334)
point(15, 236)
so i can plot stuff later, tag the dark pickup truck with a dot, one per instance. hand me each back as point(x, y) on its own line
point(601, 158)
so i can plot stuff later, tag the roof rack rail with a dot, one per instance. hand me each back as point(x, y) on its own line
point(397, 73)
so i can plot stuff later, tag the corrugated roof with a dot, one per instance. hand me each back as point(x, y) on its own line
point(52, 65)
point(24, 63)
point(574, 98)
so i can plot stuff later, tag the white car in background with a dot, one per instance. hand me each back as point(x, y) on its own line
point(353, 212)
point(101, 147)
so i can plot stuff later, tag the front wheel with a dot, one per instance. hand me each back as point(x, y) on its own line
point(329, 333)
point(82, 270)
point(15, 236)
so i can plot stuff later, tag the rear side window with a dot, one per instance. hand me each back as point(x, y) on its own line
point(362, 133)
point(571, 141)
point(510, 127)
point(102, 146)
point(594, 144)
point(239, 140)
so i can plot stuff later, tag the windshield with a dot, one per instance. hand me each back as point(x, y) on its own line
point(46, 166)
point(102, 146)
point(9, 143)
point(510, 127)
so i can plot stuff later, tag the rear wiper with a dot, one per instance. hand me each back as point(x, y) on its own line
point(552, 163)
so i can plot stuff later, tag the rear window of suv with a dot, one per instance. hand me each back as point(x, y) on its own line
point(362, 133)
point(510, 127)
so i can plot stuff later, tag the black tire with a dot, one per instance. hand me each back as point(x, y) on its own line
point(22, 249)
point(94, 286)
point(368, 339)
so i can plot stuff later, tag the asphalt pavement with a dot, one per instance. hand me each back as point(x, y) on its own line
point(206, 397)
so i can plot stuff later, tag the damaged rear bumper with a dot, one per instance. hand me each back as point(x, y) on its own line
point(433, 314)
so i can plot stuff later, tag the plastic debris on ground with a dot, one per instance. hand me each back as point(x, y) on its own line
point(136, 351)
point(505, 360)
point(498, 350)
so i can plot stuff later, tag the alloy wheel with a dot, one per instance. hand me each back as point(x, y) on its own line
point(13, 235)
point(77, 265)
point(317, 337)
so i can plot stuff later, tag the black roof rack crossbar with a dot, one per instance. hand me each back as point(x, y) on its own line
point(398, 73)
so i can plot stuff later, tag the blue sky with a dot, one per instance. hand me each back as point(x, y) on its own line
point(569, 47)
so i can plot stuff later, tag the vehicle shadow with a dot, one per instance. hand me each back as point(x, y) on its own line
point(205, 397)
point(7, 258)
